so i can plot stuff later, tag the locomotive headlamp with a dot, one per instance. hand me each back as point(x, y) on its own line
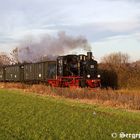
point(98, 75)
point(88, 76)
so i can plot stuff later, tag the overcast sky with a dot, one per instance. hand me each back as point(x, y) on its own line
point(109, 25)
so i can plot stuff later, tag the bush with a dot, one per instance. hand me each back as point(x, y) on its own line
point(117, 72)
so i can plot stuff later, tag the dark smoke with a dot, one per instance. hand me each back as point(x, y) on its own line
point(49, 47)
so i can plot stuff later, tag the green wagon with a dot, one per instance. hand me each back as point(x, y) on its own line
point(13, 73)
point(2, 74)
point(39, 72)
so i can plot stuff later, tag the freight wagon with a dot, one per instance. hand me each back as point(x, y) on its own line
point(2, 74)
point(13, 73)
point(30, 72)
point(39, 72)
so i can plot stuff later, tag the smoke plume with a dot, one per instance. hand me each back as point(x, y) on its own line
point(48, 47)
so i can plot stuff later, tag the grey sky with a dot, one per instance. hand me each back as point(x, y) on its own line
point(109, 25)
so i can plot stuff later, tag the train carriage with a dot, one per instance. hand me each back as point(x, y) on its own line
point(39, 72)
point(2, 74)
point(13, 73)
point(29, 72)
point(44, 70)
point(50, 70)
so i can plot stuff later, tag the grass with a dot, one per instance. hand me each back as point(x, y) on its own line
point(123, 98)
point(31, 117)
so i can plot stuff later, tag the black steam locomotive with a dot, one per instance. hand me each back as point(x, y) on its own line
point(75, 71)
point(66, 71)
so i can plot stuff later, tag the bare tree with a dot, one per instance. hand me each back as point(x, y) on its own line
point(116, 60)
point(115, 70)
point(4, 59)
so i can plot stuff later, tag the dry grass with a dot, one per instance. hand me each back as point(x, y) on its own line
point(129, 99)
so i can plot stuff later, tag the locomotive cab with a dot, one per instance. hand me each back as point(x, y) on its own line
point(67, 65)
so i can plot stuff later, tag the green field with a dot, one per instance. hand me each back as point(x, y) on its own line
point(31, 117)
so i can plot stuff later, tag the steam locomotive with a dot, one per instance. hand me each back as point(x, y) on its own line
point(66, 71)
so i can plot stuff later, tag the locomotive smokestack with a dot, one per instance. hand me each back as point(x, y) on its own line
point(89, 55)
